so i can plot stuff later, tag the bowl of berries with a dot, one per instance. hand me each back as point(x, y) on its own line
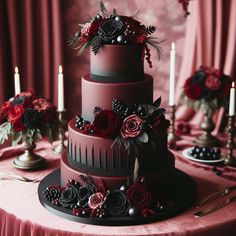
point(203, 154)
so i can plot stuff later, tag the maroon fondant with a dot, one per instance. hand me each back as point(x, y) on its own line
point(101, 94)
point(116, 63)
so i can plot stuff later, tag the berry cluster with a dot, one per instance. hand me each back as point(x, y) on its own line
point(83, 125)
point(205, 153)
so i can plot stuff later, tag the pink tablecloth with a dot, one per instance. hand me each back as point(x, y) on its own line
point(21, 214)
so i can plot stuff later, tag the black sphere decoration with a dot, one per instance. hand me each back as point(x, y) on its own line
point(113, 41)
point(133, 212)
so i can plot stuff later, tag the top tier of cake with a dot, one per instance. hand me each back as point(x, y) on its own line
point(117, 63)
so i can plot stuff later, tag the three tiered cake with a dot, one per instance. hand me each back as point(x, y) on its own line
point(117, 168)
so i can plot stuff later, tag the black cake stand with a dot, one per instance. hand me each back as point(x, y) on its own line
point(183, 191)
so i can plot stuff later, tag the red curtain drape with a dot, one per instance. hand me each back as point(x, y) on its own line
point(210, 41)
point(31, 38)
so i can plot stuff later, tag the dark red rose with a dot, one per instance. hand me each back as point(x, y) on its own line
point(15, 113)
point(192, 90)
point(213, 83)
point(18, 126)
point(90, 29)
point(107, 124)
point(139, 196)
point(5, 107)
point(141, 38)
point(131, 126)
point(218, 73)
point(27, 103)
point(96, 200)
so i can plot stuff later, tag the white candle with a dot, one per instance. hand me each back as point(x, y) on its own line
point(17, 81)
point(60, 106)
point(172, 76)
point(232, 101)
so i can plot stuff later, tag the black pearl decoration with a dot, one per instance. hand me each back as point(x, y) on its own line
point(134, 212)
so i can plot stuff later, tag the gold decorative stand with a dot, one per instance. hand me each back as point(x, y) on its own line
point(61, 147)
point(207, 139)
point(29, 160)
point(230, 159)
point(172, 137)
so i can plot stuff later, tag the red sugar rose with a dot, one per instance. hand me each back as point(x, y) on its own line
point(212, 82)
point(107, 124)
point(131, 126)
point(15, 113)
point(139, 196)
point(192, 90)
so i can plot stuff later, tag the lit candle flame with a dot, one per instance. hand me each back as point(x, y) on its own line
point(16, 70)
point(60, 69)
point(172, 46)
point(233, 85)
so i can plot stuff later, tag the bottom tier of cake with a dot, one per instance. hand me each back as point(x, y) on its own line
point(155, 178)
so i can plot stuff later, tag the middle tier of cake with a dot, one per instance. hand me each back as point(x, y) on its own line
point(101, 94)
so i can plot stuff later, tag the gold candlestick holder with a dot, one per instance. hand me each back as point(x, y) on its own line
point(61, 147)
point(230, 159)
point(172, 137)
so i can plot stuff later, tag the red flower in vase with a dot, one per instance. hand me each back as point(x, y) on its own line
point(15, 113)
point(192, 90)
point(5, 107)
point(18, 126)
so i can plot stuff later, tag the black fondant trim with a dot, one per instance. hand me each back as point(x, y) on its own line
point(117, 78)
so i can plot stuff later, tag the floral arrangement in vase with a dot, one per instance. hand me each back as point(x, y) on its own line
point(208, 89)
point(27, 119)
point(112, 28)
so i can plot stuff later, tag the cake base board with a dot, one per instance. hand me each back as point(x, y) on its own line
point(183, 189)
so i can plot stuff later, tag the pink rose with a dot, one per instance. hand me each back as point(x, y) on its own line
point(131, 126)
point(86, 29)
point(96, 200)
point(41, 104)
point(212, 82)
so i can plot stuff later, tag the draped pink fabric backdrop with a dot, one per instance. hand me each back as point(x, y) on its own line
point(31, 38)
point(210, 41)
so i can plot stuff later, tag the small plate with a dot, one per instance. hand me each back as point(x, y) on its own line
point(190, 157)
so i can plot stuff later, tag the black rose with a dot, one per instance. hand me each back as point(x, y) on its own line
point(110, 29)
point(69, 197)
point(31, 118)
point(199, 77)
point(84, 193)
point(116, 203)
